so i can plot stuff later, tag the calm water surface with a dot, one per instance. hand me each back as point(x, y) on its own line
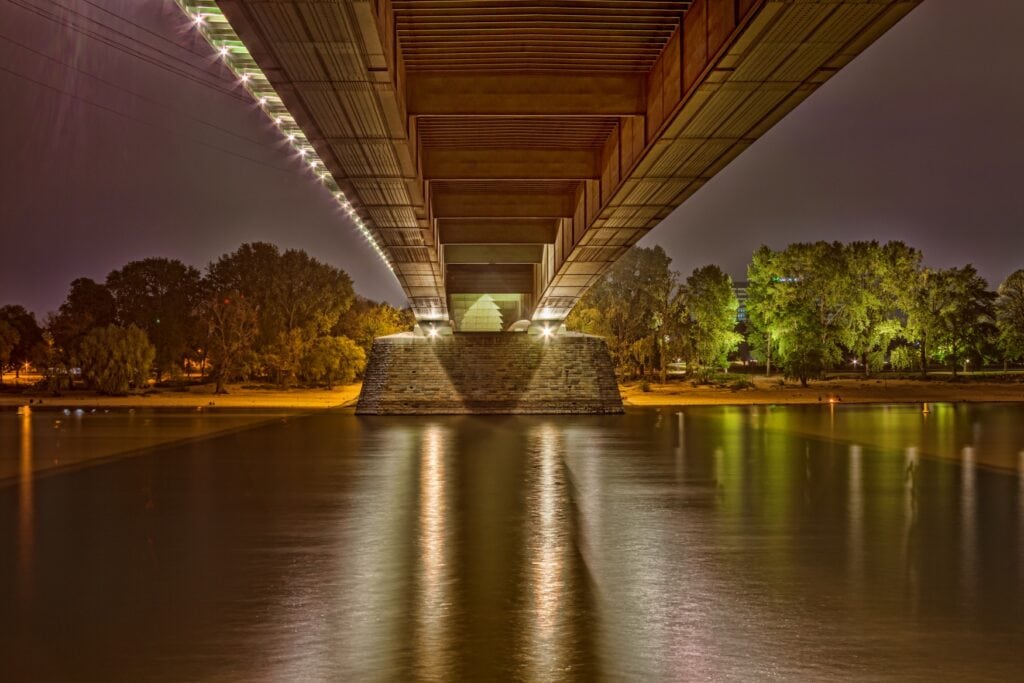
point(714, 543)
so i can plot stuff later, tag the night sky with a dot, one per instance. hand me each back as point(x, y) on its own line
point(151, 153)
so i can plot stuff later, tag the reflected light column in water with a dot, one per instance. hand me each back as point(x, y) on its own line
point(546, 543)
point(26, 511)
point(434, 603)
point(681, 446)
point(967, 525)
point(1020, 506)
point(910, 568)
point(856, 518)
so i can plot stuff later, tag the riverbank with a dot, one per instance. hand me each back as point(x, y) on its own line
point(767, 390)
point(195, 397)
point(764, 391)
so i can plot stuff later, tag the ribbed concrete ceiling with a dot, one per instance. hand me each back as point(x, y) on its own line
point(581, 123)
point(534, 35)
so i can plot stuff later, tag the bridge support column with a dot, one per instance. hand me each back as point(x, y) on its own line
point(489, 373)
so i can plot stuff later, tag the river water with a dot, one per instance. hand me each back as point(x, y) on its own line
point(719, 543)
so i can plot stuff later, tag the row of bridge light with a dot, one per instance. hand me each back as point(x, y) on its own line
point(208, 19)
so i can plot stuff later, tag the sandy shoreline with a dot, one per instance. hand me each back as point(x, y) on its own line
point(765, 391)
point(197, 397)
point(769, 391)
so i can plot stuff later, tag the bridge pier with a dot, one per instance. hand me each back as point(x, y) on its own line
point(489, 373)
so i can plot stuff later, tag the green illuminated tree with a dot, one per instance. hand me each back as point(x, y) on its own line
point(879, 275)
point(800, 304)
point(1010, 316)
point(950, 314)
point(710, 305)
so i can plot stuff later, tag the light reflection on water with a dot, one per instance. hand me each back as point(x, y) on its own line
point(434, 601)
point(699, 544)
point(547, 541)
point(26, 511)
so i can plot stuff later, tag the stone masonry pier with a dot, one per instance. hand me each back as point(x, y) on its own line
point(483, 373)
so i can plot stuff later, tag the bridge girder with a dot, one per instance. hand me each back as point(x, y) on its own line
point(573, 127)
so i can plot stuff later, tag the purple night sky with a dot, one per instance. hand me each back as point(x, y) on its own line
point(123, 139)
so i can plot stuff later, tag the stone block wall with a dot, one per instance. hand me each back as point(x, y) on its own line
point(489, 373)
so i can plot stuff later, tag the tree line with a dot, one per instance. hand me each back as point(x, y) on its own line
point(650, 317)
point(811, 308)
point(255, 313)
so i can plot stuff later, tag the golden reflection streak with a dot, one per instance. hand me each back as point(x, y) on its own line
point(545, 548)
point(1020, 505)
point(856, 518)
point(968, 522)
point(910, 460)
point(681, 447)
point(434, 604)
point(26, 511)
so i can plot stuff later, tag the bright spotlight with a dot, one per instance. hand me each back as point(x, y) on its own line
point(546, 332)
point(432, 332)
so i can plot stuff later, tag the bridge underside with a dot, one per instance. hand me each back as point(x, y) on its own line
point(519, 147)
point(506, 152)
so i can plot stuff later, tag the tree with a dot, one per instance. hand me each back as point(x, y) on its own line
point(160, 297)
point(925, 302)
point(800, 303)
point(632, 307)
point(965, 320)
point(1010, 316)
point(811, 303)
point(29, 334)
point(879, 277)
point(366, 320)
point(711, 305)
point(48, 360)
point(296, 298)
point(764, 305)
point(115, 358)
point(88, 305)
point(949, 313)
point(231, 327)
point(9, 338)
point(335, 358)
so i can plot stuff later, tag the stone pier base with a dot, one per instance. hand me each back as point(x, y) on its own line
point(489, 373)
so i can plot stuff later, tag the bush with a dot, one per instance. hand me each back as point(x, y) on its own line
point(114, 358)
point(645, 386)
